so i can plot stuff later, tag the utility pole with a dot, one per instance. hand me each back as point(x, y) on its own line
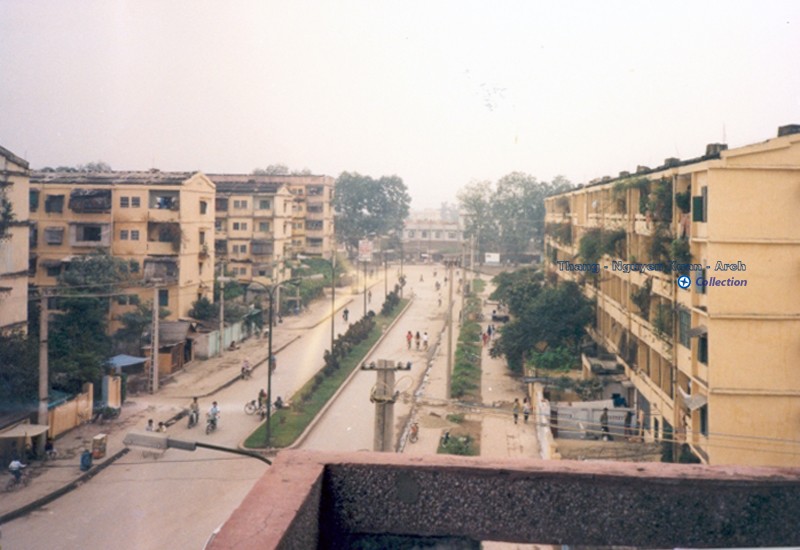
point(449, 330)
point(365, 288)
point(154, 342)
point(222, 314)
point(44, 385)
point(384, 397)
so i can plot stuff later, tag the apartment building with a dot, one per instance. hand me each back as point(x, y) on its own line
point(14, 180)
point(694, 269)
point(161, 222)
point(253, 226)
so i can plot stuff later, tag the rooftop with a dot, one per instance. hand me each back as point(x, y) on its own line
point(151, 177)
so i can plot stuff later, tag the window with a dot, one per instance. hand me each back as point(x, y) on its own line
point(203, 207)
point(88, 233)
point(217, 225)
point(90, 201)
point(700, 206)
point(128, 300)
point(123, 235)
point(54, 235)
point(437, 235)
point(221, 204)
point(124, 202)
point(240, 226)
point(134, 234)
point(704, 420)
point(263, 226)
point(53, 270)
point(202, 237)
point(136, 202)
point(33, 234)
point(163, 297)
point(236, 226)
point(54, 203)
point(240, 204)
point(684, 325)
point(264, 204)
point(423, 234)
point(134, 267)
point(702, 349)
point(243, 271)
point(33, 199)
point(411, 233)
point(451, 235)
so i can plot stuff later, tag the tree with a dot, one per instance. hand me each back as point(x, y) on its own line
point(272, 170)
point(555, 318)
point(479, 221)
point(367, 206)
point(136, 324)
point(79, 344)
point(19, 375)
point(518, 288)
point(508, 217)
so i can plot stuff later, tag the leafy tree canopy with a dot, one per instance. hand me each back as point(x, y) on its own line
point(556, 318)
point(365, 206)
point(79, 343)
point(507, 217)
point(518, 288)
point(19, 375)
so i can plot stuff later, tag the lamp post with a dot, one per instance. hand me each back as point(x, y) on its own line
point(332, 263)
point(270, 362)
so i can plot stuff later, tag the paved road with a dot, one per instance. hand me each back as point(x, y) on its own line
point(177, 500)
point(348, 425)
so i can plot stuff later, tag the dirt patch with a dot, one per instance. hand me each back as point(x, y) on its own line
point(578, 449)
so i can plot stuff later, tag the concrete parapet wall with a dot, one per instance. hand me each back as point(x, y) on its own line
point(310, 497)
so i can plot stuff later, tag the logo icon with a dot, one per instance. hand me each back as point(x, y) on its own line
point(684, 281)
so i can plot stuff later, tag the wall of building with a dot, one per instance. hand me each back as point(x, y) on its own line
point(14, 181)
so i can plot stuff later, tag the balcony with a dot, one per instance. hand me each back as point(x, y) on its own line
point(261, 248)
point(161, 269)
point(164, 238)
point(163, 205)
point(90, 235)
point(90, 201)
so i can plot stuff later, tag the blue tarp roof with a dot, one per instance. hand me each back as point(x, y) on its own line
point(122, 361)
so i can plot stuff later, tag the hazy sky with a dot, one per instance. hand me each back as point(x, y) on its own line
point(439, 93)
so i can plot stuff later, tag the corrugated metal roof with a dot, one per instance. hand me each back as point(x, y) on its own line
point(153, 177)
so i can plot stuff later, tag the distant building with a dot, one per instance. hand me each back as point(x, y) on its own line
point(14, 234)
point(253, 227)
point(431, 239)
point(311, 209)
point(161, 222)
point(695, 277)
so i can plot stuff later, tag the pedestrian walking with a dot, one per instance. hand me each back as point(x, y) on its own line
point(409, 337)
point(345, 314)
point(425, 340)
point(515, 409)
point(417, 338)
point(526, 409)
point(150, 427)
point(369, 297)
point(485, 338)
point(604, 424)
point(489, 331)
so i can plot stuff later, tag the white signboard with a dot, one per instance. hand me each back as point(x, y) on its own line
point(492, 258)
point(364, 250)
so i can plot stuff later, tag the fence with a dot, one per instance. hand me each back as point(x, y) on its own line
point(72, 413)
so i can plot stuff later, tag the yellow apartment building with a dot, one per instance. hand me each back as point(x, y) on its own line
point(14, 178)
point(695, 269)
point(161, 222)
point(311, 232)
point(253, 227)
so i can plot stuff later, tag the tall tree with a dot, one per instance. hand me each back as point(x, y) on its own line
point(479, 221)
point(78, 339)
point(554, 318)
point(366, 206)
point(272, 170)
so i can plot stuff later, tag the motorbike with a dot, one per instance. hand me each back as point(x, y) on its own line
point(211, 423)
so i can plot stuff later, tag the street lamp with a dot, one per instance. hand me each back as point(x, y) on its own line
point(152, 440)
point(332, 263)
point(271, 293)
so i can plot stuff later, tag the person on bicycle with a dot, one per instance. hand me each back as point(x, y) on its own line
point(262, 397)
point(16, 468)
point(247, 369)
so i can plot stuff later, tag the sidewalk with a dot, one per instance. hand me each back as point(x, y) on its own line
point(500, 437)
point(54, 478)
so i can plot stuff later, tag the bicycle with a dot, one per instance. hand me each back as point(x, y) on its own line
point(17, 483)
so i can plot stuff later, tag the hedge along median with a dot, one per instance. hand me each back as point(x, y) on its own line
point(349, 351)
